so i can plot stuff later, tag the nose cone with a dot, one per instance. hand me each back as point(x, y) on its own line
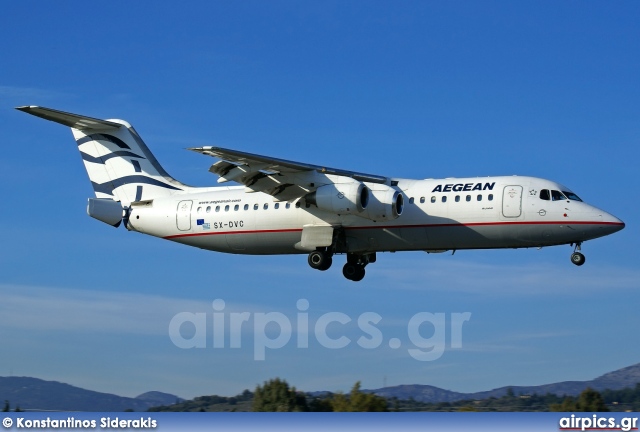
point(599, 223)
point(611, 223)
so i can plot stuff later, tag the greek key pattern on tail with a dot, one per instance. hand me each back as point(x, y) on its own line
point(119, 164)
point(121, 167)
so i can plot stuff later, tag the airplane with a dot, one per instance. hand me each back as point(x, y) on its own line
point(287, 207)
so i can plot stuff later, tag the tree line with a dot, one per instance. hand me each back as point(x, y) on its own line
point(7, 407)
point(276, 395)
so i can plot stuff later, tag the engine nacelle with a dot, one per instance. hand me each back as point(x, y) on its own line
point(385, 203)
point(341, 198)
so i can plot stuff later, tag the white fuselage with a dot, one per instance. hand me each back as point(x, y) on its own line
point(439, 214)
point(289, 207)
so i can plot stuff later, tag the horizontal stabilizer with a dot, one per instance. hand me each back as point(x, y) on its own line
point(72, 120)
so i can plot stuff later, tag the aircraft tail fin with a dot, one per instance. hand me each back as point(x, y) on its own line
point(120, 165)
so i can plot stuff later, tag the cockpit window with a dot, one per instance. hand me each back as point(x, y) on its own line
point(557, 196)
point(571, 196)
point(544, 194)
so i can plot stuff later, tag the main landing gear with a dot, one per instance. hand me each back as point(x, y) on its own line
point(320, 260)
point(352, 270)
point(576, 257)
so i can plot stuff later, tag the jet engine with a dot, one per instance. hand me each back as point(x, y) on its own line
point(385, 203)
point(341, 198)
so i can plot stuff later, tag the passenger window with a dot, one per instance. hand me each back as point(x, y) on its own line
point(226, 208)
point(217, 208)
point(444, 198)
point(490, 197)
point(208, 209)
point(468, 198)
point(287, 205)
point(479, 197)
point(557, 196)
point(199, 209)
point(457, 198)
point(246, 206)
point(422, 200)
point(255, 206)
point(411, 200)
point(544, 195)
point(276, 206)
point(433, 199)
point(236, 207)
point(265, 206)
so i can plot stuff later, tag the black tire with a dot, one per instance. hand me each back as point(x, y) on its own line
point(320, 260)
point(577, 258)
point(349, 270)
point(360, 275)
point(353, 272)
point(327, 263)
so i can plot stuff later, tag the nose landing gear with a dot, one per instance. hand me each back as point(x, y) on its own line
point(576, 257)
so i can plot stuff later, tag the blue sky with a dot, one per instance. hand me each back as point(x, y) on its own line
point(406, 89)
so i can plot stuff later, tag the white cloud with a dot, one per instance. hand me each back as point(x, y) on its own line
point(529, 279)
point(29, 94)
point(41, 308)
point(66, 309)
point(45, 308)
point(515, 342)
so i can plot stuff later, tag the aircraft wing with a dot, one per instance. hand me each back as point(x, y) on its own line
point(285, 180)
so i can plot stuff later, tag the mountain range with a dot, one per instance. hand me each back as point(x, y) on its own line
point(40, 395)
point(616, 380)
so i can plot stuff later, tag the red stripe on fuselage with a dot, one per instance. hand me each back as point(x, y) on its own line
point(401, 226)
point(233, 232)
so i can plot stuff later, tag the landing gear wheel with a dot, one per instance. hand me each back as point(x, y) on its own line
point(577, 258)
point(320, 260)
point(360, 274)
point(354, 272)
point(327, 263)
